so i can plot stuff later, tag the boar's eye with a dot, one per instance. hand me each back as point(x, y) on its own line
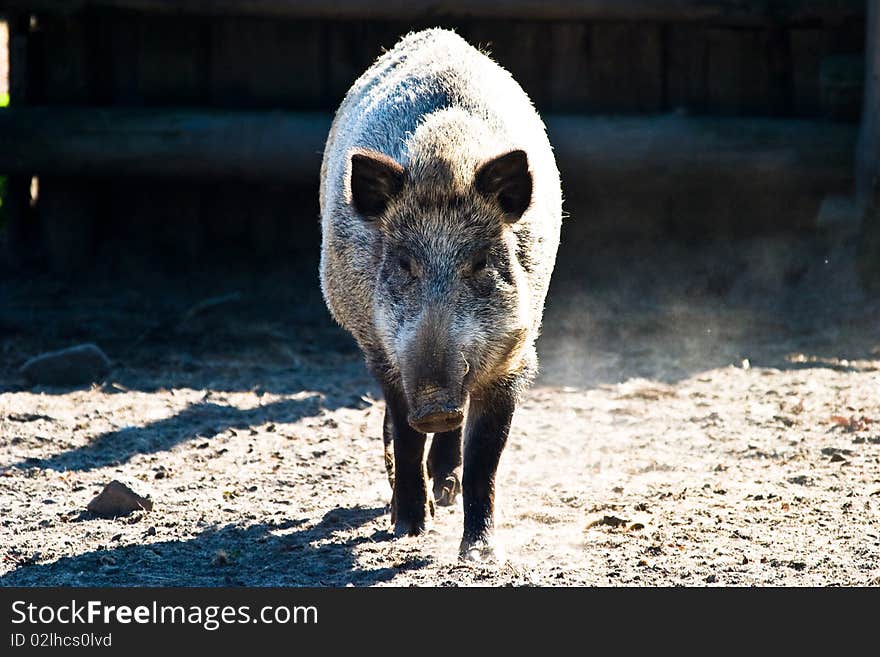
point(478, 263)
point(405, 265)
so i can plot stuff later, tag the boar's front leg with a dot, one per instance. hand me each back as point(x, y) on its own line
point(444, 466)
point(488, 424)
point(388, 444)
point(410, 505)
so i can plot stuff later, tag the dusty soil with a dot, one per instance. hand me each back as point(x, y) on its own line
point(707, 414)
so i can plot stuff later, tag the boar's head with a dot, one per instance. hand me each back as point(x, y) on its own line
point(451, 302)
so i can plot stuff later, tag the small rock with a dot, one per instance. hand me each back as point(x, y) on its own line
point(836, 451)
point(78, 365)
point(609, 521)
point(711, 579)
point(117, 499)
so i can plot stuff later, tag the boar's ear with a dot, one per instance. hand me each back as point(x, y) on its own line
point(507, 179)
point(375, 180)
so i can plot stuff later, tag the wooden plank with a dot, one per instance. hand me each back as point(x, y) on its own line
point(169, 143)
point(808, 47)
point(687, 68)
point(114, 63)
point(626, 68)
point(683, 146)
point(154, 221)
point(345, 58)
point(138, 60)
point(260, 220)
point(21, 236)
point(569, 71)
point(21, 230)
point(154, 61)
point(868, 158)
point(66, 209)
point(523, 48)
point(19, 34)
point(728, 71)
point(269, 213)
point(276, 146)
point(227, 212)
point(265, 63)
point(4, 58)
point(350, 47)
point(847, 35)
point(742, 175)
point(819, 89)
point(841, 81)
point(699, 176)
point(728, 12)
point(172, 60)
point(737, 73)
point(286, 205)
point(780, 94)
point(64, 47)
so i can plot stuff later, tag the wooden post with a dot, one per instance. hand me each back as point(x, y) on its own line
point(66, 205)
point(67, 218)
point(20, 233)
point(727, 12)
point(868, 156)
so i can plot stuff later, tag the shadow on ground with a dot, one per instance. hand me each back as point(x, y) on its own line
point(202, 419)
point(284, 554)
point(662, 311)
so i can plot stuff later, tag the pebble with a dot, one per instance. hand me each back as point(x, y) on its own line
point(79, 365)
point(117, 499)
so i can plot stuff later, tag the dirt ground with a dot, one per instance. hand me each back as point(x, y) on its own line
point(707, 415)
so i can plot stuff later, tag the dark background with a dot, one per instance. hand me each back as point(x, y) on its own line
point(708, 328)
point(734, 119)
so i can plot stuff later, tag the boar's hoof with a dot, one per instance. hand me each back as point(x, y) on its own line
point(446, 490)
point(482, 551)
point(411, 522)
point(403, 527)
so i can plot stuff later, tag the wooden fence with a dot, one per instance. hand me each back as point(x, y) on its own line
point(178, 126)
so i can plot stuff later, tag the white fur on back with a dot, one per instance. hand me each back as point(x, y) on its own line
point(432, 97)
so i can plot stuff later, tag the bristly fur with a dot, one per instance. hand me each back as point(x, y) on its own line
point(440, 108)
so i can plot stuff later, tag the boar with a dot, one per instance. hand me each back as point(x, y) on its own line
point(441, 210)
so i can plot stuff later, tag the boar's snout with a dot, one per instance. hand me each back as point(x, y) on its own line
point(434, 370)
point(436, 406)
point(436, 414)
